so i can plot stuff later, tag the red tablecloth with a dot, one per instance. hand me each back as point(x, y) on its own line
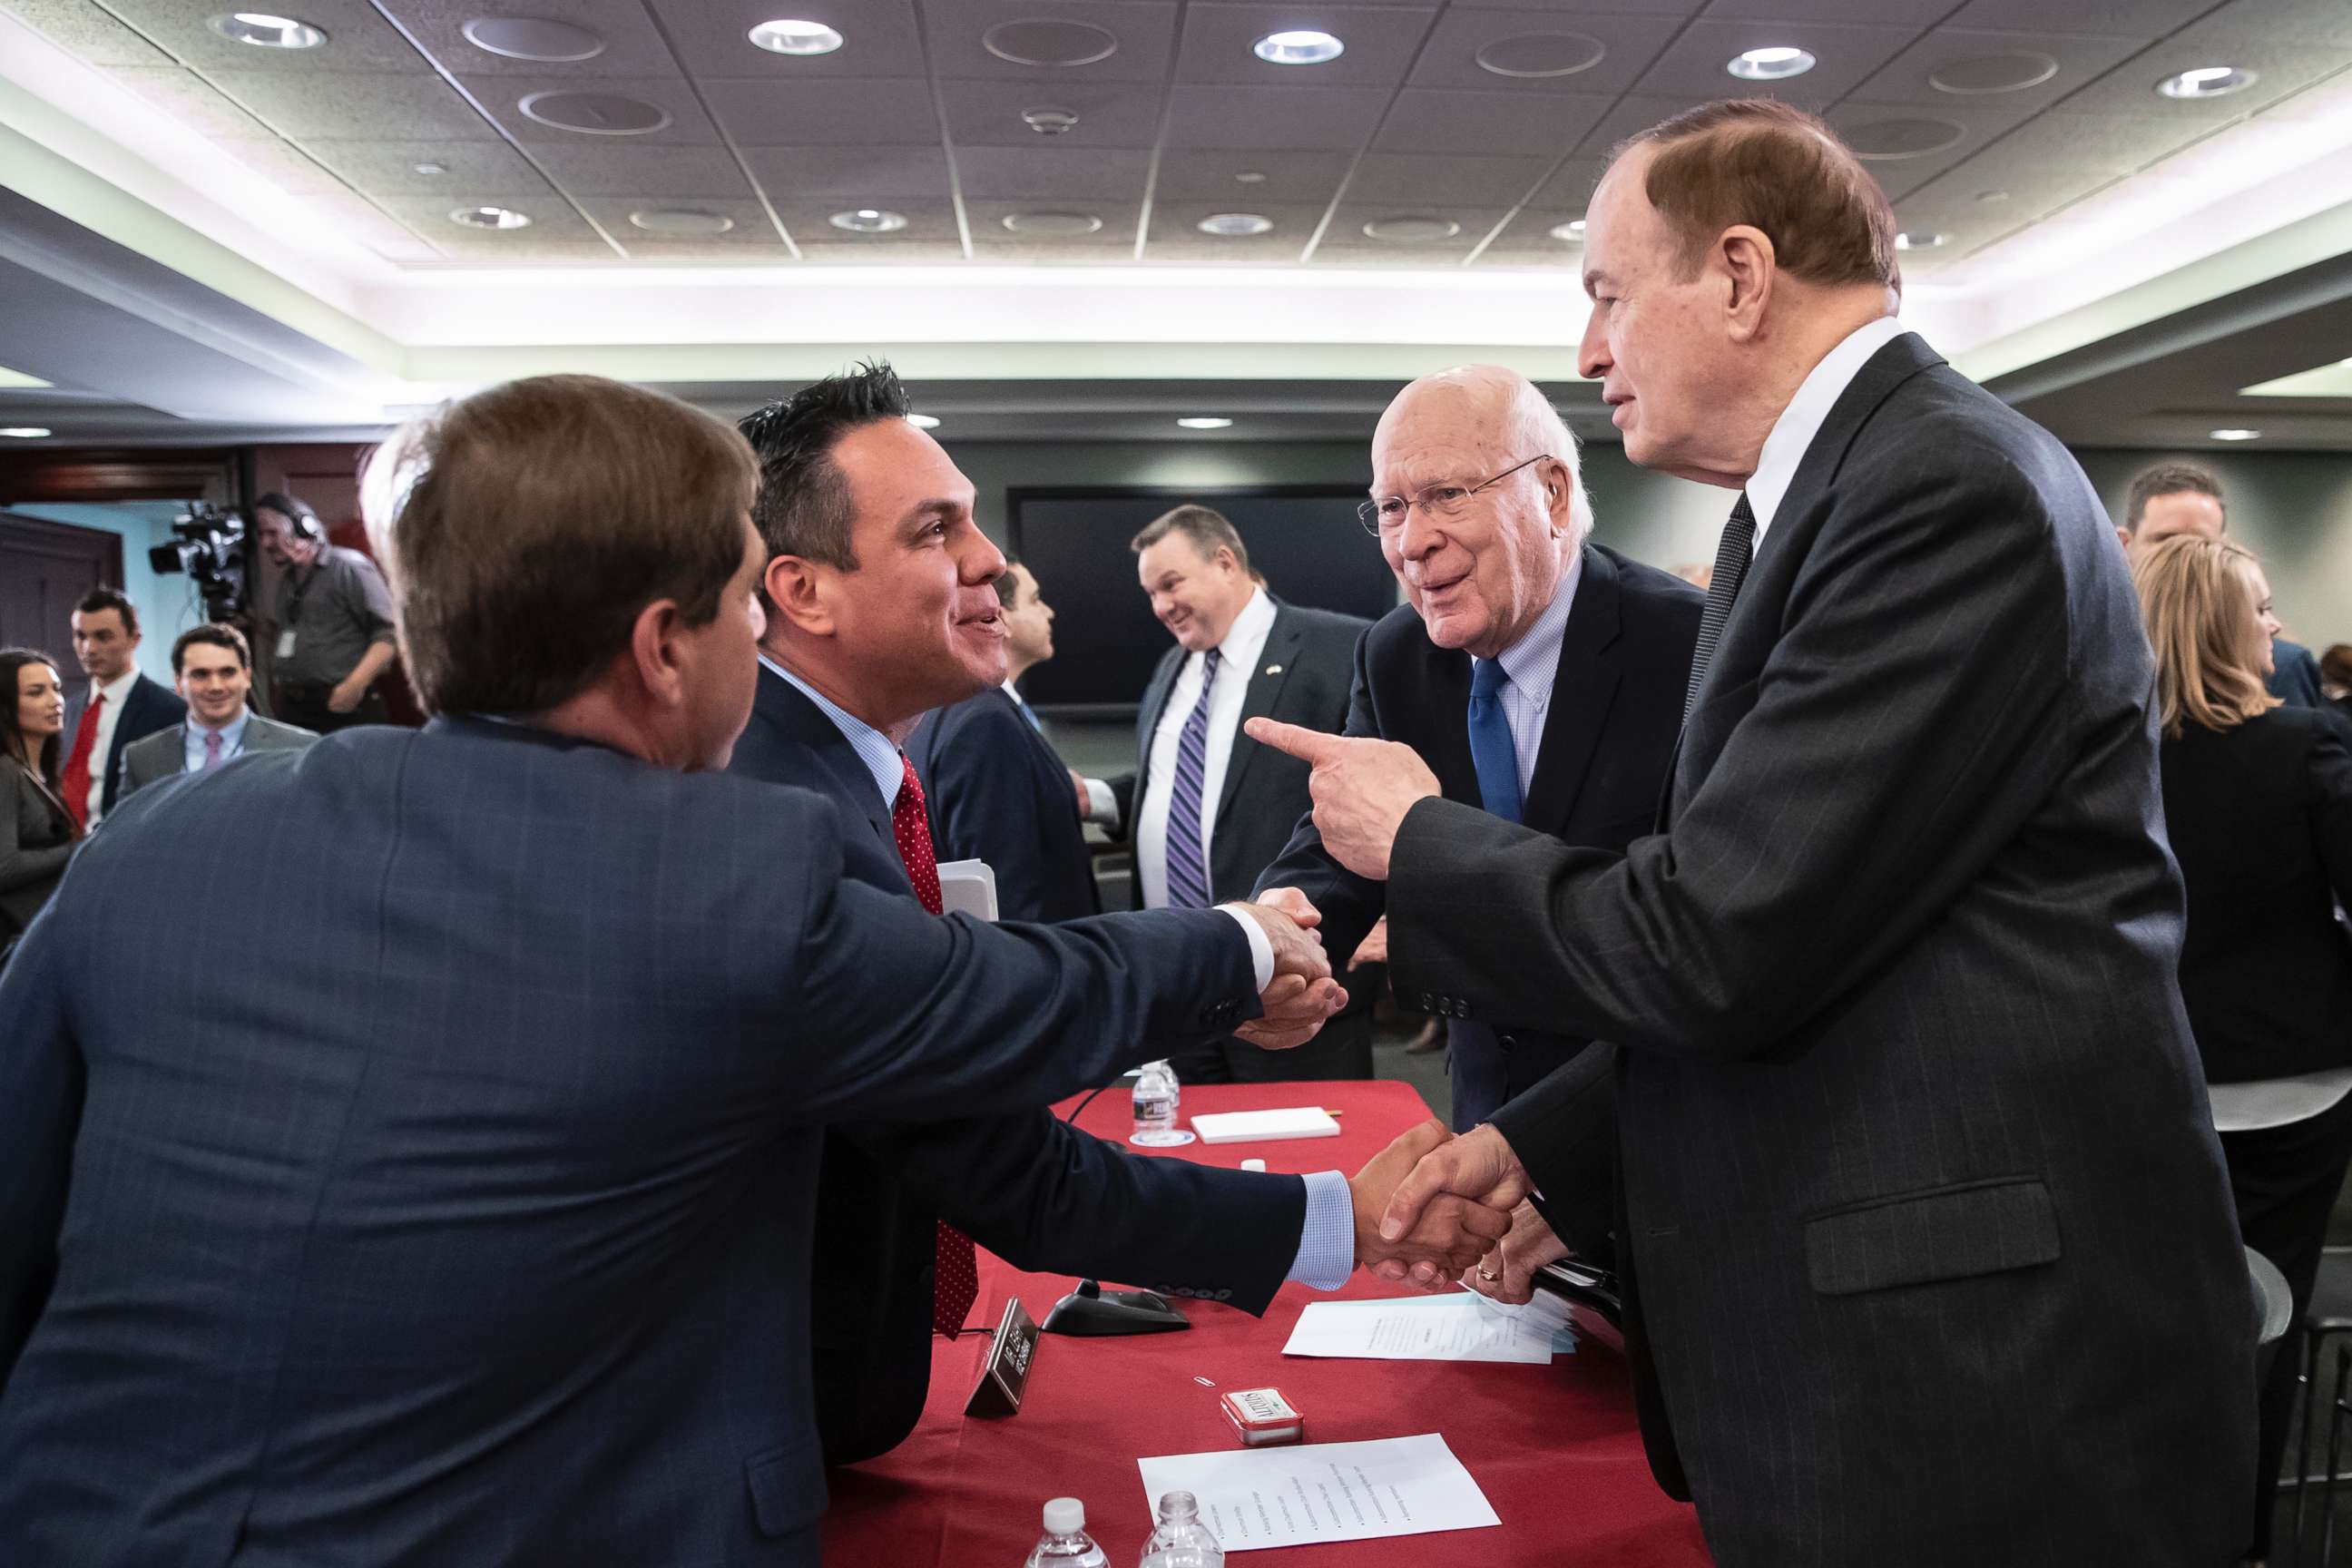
point(1554, 1449)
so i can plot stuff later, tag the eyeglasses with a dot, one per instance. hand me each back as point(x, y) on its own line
point(1388, 515)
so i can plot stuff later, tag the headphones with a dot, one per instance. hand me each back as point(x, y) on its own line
point(296, 511)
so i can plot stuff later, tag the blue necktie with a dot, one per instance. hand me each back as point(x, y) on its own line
point(1188, 872)
point(1491, 751)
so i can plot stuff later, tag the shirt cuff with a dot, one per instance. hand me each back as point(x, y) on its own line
point(1261, 946)
point(1101, 804)
point(1327, 1242)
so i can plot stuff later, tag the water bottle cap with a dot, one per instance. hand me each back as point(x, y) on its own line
point(1178, 1505)
point(1065, 1516)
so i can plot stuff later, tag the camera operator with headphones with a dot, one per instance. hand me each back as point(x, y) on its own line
point(335, 622)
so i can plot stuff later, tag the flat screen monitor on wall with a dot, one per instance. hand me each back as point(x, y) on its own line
point(1305, 541)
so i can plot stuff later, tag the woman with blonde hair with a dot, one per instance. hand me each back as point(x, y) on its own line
point(2258, 802)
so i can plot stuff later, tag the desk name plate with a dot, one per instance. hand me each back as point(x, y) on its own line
point(1011, 1352)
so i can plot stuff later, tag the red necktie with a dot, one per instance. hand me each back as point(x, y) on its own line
point(956, 1274)
point(77, 778)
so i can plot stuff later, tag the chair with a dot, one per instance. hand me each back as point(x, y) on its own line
point(2329, 1318)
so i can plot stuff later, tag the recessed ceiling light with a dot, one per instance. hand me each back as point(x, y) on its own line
point(531, 39)
point(681, 221)
point(1053, 225)
point(1922, 240)
point(1203, 422)
point(1303, 46)
point(2235, 434)
point(2207, 81)
point(265, 30)
point(1774, 64)
point(490, 217)
point(1531, 55)
point(1049, 121)
point(784, 37)
point(1411, 231)
point(1572, 231)
point(1989, 197)
point(25, 432)
point(1234, 226)
point(1888, 140)
point(868, 220)
point(2012, 72)
point(594, 113)
point(430, 168)
point(1249, 178)
point(1049, 41)
point(924, 421)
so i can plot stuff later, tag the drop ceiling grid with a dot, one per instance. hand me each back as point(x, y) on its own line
point(914, 113)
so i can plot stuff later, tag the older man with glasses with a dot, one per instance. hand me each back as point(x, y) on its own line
point(1539, 676)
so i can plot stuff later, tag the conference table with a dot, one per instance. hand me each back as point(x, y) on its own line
point(1553, 1447)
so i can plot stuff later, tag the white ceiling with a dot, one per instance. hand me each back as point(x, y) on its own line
point(2074, 202)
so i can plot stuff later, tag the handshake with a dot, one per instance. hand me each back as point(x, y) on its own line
point(1303, 993)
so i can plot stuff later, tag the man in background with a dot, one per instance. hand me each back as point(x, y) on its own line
point(883, 605)
point(118, 706)
point(1206, 809)
point(335, 622)
point(213, 667)
point(2186, 497)
point(1539, 675)
point(997, 790)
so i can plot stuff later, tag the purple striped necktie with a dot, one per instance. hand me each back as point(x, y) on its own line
point(1188, 868)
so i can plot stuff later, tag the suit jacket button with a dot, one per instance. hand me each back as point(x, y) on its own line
point(1508, 1042)
point(1428, 1003)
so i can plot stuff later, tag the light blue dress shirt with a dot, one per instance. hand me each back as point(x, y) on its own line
point(1327, 1241)
point(232, 736)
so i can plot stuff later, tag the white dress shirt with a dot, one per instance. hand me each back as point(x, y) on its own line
point(103, 746)
point(232, 734)
point(1237, 661)
point(1793, 432)
point(1530, 665)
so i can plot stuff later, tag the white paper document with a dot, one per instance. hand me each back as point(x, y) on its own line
point(1463, 1327)
point(1252, 1499)
point(968, 887)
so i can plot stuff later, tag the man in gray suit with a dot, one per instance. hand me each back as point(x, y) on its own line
point(213, 668)
point(1929, 1255)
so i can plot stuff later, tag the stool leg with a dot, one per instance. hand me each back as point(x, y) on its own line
point(2305, 1409)
point(2336, 1411)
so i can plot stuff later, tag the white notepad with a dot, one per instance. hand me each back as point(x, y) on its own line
point(968, 887)
point(1253, 1126)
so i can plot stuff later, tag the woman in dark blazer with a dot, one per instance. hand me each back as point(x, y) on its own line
point(2258, 803)
point(37, 833)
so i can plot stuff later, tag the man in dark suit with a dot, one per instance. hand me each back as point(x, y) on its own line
point(118, 707)
point(1205, 810)
point(482, 1233)
point(884, 606)
point(213, 667)
point(1930, 1250)
point(998, 790)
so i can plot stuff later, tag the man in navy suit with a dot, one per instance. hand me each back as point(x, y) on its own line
point(482, 1234)
point(998, 790)
point(883, 605)
point(119, 707)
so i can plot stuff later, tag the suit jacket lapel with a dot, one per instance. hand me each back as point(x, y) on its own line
point(1276, 661)
point(1446, 713)
point(781, 703)
point(1584, 685)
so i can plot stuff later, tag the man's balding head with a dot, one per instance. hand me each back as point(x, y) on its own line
point(1480, 567)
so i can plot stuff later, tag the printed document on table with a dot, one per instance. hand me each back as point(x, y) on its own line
point(1463, 1327)
point(1252, 1499)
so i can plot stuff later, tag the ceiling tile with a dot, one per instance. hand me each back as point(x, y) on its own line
point(88, 34)
point(853, 172)
point(2313, 21)
point(988, 230)
point(1530, 230)
point(768, 251)
point(1972, 123)
point(1204, 251)
point(357, 38)
point(335, 106)
point(2120, 18)
point(389, 168)
point(2282, 69)
point(1212, 174)
point(878, 37)
point(504, 96)
point(1141, 34)
point(750, 220)
point(1628, 44)
point(1634, 114)
point(1380, 42)
point(931, 219)
point(1092, 173)
point(187, 100)
point(1673, 9)
point(1176, 223)
point(620, 167)
point(1425, 120)
point(1902, 12)
point(1314, 119)
point(877, 252)
point(1407, 177)
point(361, 220)
point(552, 218)
point(1570, 186)
point(1347, 230)
point(1694, 63)
point(832, 113)
point(2060, 140)
point(281, 163)
point(519, 249)
point(2073, 62)
point(633, 45)
point(1110, 114)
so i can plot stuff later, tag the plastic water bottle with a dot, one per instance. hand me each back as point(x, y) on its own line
point(1156, 1099)
point(1181, 1540)
point(1067, 1543)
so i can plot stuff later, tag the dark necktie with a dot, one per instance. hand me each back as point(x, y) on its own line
point(1731, 559)
point(1188, 868)
point(956, 1273)
point(1491, 751)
